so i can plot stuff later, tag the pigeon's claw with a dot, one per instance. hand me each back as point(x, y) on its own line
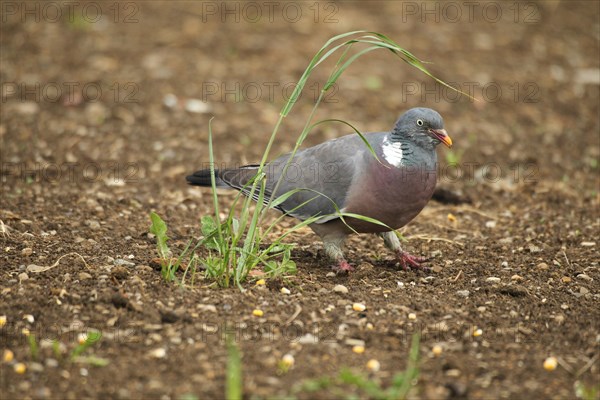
point(342, 267)
point(408, 261)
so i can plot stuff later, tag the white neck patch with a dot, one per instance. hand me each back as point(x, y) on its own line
point(392, 152)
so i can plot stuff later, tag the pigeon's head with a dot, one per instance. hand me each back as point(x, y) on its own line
point(423, 126)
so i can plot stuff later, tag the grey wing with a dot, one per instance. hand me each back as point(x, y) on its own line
point(323, 175)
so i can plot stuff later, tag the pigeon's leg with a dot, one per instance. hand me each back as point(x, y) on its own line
point(407, 261)
point(333, 244)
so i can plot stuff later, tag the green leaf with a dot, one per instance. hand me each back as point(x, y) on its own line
point(159, 229)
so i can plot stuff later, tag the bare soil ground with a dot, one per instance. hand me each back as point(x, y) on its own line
point(89, 148)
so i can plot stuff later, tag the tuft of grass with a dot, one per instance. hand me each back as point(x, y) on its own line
point(236, 245)
point(348, 381)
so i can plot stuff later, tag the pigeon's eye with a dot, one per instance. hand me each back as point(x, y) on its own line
point(420, 122)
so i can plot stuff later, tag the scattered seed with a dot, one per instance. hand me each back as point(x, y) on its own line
point(2, 320)
point(412, 316)
point(373, 365)
point(25, 332)
point(29, 318)
point(8, 356)
point(451, 217)
point(550, 363)
point(288, 360)
point(493, 279)
point(437, 350)
point(369, 326)
point(27, 251)
point(359, 307)
point(490, 224)
point(20, 368)
point(81, 338)
point(260, 282)
point(477, 332)
point(285, 290)
point(516, 277)
point(340, 289)
point(258, 313)
point(358, 349)
point(566, 279)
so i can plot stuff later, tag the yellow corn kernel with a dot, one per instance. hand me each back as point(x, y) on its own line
point(373, 365)
point(358, 349)
point(257, 313)
point(550, 363)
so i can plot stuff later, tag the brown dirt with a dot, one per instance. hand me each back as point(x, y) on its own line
point(81, 176)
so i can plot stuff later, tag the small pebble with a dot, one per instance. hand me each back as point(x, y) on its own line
point(29, 318)
point(285, 290)
point(83, 276)
point(588, 244)
point(340, 289)
point(493, 279)
point(258, 313)
point(566, 279)
point(158, 353)
point(23, 276)
point(359, 307)
point(412, 316)
point(373, 365)
point(550, 363)
point(463, 293)
point(516, 277)
point(585, 277)
point(27, 251)
point(542, 266)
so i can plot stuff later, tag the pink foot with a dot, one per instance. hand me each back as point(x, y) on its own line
point(342, 267)
point(408, 261)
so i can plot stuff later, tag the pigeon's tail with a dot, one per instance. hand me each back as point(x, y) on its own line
point(202, 178)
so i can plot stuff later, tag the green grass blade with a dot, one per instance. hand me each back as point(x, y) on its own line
point(234, 383)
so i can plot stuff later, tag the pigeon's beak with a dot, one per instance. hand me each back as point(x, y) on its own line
point(442, 135)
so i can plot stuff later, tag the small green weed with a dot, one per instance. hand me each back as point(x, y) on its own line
point(347, 382)
point(86, 341)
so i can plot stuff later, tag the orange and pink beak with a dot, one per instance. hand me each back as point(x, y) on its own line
point(442, 135)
